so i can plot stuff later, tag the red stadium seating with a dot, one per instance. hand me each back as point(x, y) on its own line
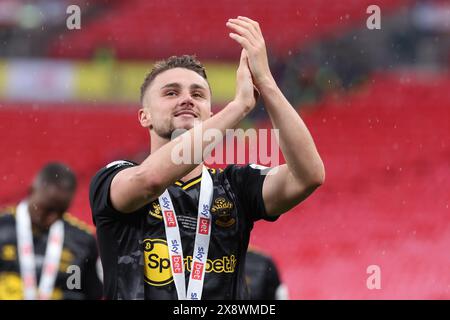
point(81, 136)
point(141, 29)
point(385, 200)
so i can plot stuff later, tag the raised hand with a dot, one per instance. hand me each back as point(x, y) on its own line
point(246, 94)
point(248, 34)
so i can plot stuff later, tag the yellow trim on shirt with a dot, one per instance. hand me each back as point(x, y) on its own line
point(192, 183)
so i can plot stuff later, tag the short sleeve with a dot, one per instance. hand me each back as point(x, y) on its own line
point(99, 198)
point(247, 183)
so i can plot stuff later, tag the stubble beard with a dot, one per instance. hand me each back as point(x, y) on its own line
point(169, 132)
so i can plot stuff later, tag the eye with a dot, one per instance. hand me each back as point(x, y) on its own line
point(197, 95)
point(171, 93)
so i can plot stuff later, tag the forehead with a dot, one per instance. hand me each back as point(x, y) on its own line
point(53, 193)
point(182, 76)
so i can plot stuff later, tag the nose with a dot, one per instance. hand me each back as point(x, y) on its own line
point(186, 100)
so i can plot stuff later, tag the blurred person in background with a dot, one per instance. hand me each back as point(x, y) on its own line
point(44, 252)
point(262, 277)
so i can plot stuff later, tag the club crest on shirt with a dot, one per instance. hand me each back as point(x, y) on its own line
point(222, 209)
point(155, 210)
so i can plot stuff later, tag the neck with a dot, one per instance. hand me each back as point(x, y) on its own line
point(194, 173)
point(157, 142)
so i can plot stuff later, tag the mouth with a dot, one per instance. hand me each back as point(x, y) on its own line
point(186, 113)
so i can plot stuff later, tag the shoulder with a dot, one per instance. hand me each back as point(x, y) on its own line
point(111, 167)
point(8, 210)
point(106, 173)
point(7, 214)
point(78, 227)
point(120, 163)
point(243, 176)
point(7, 225)
point(79, 238)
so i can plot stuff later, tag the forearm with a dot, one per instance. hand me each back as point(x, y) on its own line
point(166, 160)
point(296, 142)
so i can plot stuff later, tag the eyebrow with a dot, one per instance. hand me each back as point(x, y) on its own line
point(177, 85)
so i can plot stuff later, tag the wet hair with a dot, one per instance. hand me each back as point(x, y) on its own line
point(56, 174)
point(189, 62)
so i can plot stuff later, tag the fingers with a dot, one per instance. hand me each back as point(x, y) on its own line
point(250, 25)
point(243, 58)
point(243, 29)
point(256, 93)
point(243, 63)
point(241, 40)
point(243, 55)
point(246, 32)
point(253, 22)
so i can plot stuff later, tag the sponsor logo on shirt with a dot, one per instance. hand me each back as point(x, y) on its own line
point(157, 263)
point(11, 287)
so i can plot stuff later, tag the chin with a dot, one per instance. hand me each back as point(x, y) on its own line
point(186, 123)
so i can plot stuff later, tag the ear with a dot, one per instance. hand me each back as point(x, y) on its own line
point(145, 118)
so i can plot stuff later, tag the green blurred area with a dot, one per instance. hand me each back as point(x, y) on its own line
point(112, 81)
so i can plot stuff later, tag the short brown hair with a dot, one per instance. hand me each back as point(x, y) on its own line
point(185, 61)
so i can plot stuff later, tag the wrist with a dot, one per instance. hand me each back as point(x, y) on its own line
point(265, 83)
point(241, 107)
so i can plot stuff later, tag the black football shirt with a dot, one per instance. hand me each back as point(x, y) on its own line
point(133, 246)
point(262, 276)
point(79, 250)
